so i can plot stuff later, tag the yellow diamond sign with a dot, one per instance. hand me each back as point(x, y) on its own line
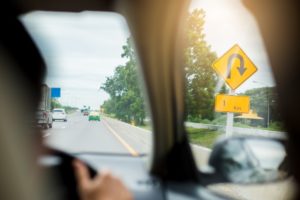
point(235, 67)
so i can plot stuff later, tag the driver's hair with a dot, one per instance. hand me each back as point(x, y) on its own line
point(21, 73)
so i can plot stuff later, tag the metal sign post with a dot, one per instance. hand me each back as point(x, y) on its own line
point(229, 121)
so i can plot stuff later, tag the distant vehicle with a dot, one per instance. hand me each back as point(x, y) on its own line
point(59, 114)
point(43, 114)
point(94, 116)
point(86, 112)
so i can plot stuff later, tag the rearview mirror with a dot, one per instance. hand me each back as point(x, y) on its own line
point(248, 160)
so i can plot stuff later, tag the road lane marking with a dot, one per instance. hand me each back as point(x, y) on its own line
point(121, 140)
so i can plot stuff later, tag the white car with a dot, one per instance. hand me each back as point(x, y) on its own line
point(59, 114)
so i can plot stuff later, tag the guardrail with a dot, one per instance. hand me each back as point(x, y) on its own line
point(239, 130)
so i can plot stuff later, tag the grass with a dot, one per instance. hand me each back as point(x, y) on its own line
point(146, 126)
point(203, 137)
point(272, 127)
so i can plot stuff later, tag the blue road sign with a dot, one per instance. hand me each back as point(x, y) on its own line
point(55, 92)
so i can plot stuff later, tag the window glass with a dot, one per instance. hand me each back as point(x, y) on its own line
point(225, 59)
point(92, 75)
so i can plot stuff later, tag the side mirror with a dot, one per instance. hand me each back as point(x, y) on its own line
point(248, 160)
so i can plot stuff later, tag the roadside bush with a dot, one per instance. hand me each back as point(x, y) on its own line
point(194, 119)
point(220, 120)
point(206, 121)
point(276, 126)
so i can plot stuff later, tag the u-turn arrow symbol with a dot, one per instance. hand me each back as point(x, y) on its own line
point(240, 68)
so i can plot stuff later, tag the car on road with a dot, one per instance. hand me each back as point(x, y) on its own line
point(59, 114)
point(85, 112)
point(94, 116)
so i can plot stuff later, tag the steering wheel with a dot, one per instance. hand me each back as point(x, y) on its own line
point(59, 165)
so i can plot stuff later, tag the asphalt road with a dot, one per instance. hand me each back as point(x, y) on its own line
point(107, 136)
point(112, 136)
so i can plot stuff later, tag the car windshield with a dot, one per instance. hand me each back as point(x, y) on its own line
point(92, 74)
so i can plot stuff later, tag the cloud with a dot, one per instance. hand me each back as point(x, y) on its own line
point(80, 50)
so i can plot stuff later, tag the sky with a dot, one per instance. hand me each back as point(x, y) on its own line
point(228, 22)
point(82, 49)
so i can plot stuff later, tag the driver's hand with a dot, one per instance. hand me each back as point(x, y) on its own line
point(102, 187)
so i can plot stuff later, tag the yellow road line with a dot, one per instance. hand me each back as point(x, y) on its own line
point(121, 140)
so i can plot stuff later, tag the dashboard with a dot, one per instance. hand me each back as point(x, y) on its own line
point(133, 172)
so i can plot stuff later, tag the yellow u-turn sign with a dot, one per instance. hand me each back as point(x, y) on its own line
point(235, 67)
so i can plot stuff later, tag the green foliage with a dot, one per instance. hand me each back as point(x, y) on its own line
point(56, 104)
point(264, 101)
point(220, 119)
point(276, 126)
point(70, 109)
point(196, 119)
point(200, 77)
point(203, 137)
point(205, 121)
point(126, 102)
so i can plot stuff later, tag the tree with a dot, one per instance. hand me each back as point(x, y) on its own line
point(126, 101)
point(56, 104)
point(265, 102)
point(200, 77)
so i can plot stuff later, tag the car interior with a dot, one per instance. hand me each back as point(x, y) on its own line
point(170, 171)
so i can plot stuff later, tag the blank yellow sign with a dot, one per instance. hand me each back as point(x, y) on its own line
point(230, 103)
point(235, 67)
